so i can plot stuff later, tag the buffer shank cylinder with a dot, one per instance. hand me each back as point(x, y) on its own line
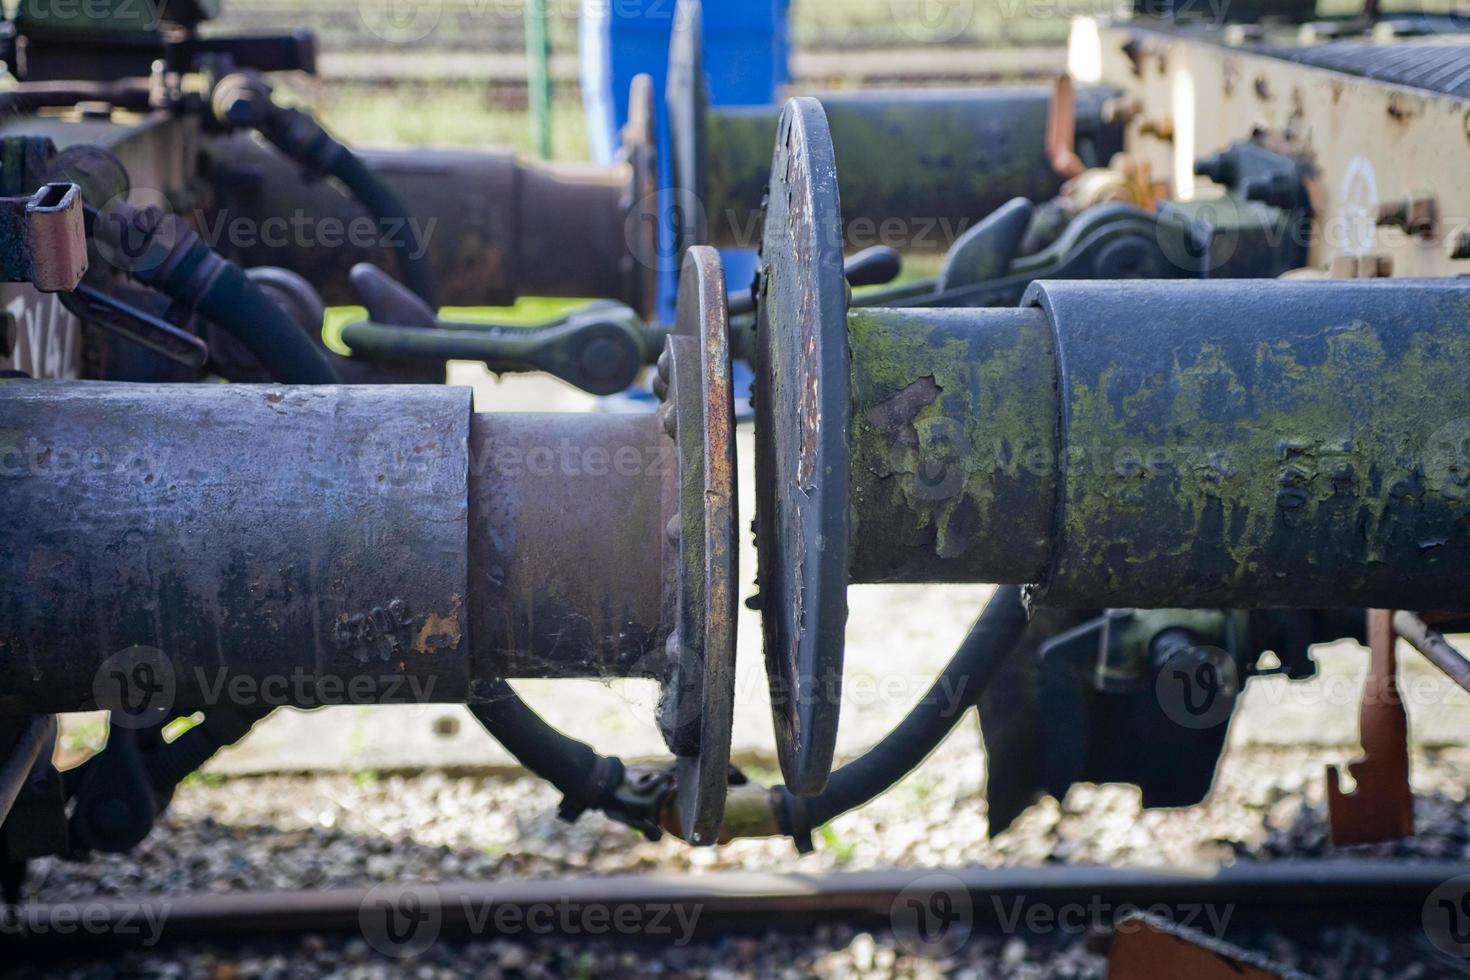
point(918, 166)
point(495, 228)
point(283, 546)
point(1143, 444)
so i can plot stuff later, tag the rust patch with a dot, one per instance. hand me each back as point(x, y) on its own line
point(895, 417)
point(440, 632)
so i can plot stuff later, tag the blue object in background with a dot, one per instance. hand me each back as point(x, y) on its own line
point(746, 59)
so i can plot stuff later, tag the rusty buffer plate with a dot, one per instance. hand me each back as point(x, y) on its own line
point(687, 95)
point(699, 703)
point(803, 418)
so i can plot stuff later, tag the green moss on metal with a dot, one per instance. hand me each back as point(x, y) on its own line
point(1267, 448)
point(953, 416)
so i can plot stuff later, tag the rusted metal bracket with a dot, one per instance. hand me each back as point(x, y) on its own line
point(1382, 806)
point(42, 238)
point(1061, 130)
point(1147, 947)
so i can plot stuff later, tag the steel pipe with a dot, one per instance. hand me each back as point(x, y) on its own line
point(918, 166)
point(1151, 444)
point(1435, 648)
point(359, 543)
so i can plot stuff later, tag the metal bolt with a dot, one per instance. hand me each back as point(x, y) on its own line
point(1418, 214)
point(669, 419)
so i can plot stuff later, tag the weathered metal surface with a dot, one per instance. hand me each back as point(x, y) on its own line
point(1213, 444)
point(1261, 444)
point(495, 227)
point(1147, 444)
point(241, 543)
point(699, 698)
point(954, 434)
point(1381, 806)
point(567, 523)
point(41, 238)
point(1370, 139)
point(803, 426)
point(377, 544)
point(1150, 947)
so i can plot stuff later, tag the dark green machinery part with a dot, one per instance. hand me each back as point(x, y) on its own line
point(1171, 444)
point(918, 166)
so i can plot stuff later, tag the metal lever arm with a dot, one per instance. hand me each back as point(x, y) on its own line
point(600, 348)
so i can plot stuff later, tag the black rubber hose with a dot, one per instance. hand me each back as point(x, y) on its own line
point(990, 643)
point(384, 204)
point(244, 100)
point(241, 307)
point(585, 779)
point(161, 251)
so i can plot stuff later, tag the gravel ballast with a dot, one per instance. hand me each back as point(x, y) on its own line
point(342, 830)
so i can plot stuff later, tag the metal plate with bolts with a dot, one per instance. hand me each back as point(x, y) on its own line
point(699, 702)
point(687, 96)
point(803, 418)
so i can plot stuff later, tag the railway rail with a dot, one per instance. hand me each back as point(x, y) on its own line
point(1376, 894)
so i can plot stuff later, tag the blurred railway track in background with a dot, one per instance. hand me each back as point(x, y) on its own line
point(483, 41)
